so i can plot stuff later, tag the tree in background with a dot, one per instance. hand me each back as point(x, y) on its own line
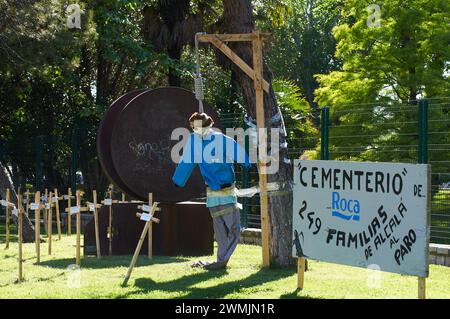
point(392, 54)
point(303, 43)
point(396, 54)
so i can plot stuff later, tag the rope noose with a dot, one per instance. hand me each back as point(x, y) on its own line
point(198, 81)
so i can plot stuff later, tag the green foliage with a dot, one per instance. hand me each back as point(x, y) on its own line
point(388, 63)
point(302, 135)
point(401, 58)
point(303, 45)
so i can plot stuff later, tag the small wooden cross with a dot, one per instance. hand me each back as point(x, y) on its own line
point(149, 219)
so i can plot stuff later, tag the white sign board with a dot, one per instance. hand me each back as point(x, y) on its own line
point(363, 214)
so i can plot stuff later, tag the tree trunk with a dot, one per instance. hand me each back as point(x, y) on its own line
point(238, 19)
point(27, 226)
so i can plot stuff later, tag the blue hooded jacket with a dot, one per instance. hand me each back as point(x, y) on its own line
point(215, 153)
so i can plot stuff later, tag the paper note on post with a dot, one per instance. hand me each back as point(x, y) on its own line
point(146, 217)
point(74, 210)
point(107, 201)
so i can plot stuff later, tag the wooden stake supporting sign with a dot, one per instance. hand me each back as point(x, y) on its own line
point(301, 265)
point(421, 287)
point(148, 217)
point(108, 202)
point(78, 228)
point(93, 207)
point(147, 208)
point(36, 206)
point(7, 204)
point(69, 216)
point(261, 85)
point(49, 209)
point(58, 217)
point(20, 235)
point(27, 202)
point(77, 210)
point(150, 230)
point(46, 212)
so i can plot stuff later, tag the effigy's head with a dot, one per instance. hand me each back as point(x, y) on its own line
point(201, 123)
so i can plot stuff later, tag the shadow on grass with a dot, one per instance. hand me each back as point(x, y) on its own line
point(186, 284)
point(295, 295)
point(111, 261)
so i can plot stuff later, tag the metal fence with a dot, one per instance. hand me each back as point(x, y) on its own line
point(384, 132)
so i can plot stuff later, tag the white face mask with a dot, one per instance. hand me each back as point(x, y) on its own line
point(203, 131)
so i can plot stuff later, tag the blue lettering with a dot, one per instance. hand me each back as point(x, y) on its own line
point(357, 207)
point(335, 200)
point(341, 206)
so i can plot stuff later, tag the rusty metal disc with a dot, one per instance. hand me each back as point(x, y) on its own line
point(141, 143)
point(104, 140)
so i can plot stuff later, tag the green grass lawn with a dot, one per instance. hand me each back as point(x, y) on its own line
point(172, 277)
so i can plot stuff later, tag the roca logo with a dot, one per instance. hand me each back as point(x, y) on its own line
point(347, 209)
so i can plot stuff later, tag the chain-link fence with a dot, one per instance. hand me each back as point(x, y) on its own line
point(384, 132)
point(418, 132)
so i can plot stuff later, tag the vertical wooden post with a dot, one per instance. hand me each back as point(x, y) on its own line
point(123, 197)
point(45, 212)
point(421, 287)
point(49, 223)
point(7, 217)
point(110, 223)
point(262, 141)
point(27, 202)
point(58, 217)
point(20, 239)
point(78, 228)
point(69, 216)
point(37, 226)
point(97, 237)
point(301, 262)
point(150, 229)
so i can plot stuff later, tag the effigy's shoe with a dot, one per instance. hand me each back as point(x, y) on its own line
point(216, 266)
point(200, 263)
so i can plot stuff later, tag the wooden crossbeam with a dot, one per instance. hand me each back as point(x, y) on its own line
point(238, 37)
point(154, 219)
point(225, 49)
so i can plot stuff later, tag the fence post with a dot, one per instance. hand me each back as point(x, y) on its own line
point(423, 131)
point(324, 134)
point(74, 159)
